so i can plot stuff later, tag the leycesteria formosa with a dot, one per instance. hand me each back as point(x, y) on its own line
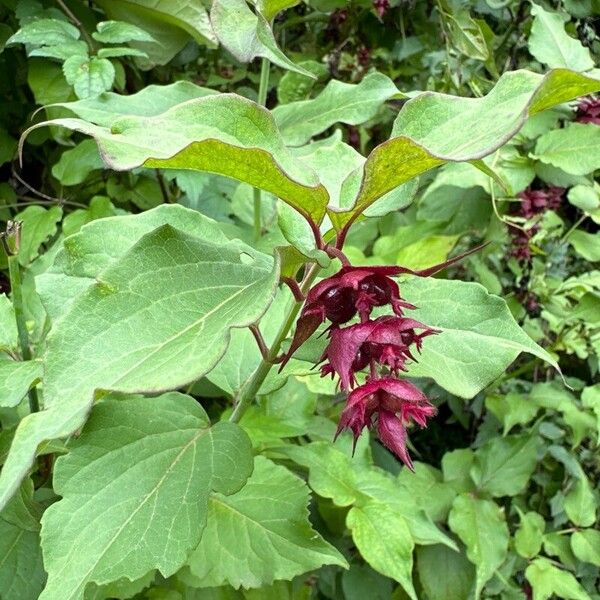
point(383, 344)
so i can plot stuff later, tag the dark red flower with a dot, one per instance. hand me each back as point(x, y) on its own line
point(381, 6)
point(535, 202)
point(386, 340)
point(397, 403)
point(352, 291)
point(588, 110)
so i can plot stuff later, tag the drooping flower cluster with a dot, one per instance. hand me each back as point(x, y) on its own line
point(533, 203)
point(588, 110)
point(384, 344)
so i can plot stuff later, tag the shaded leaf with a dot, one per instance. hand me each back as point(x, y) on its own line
point(586, 546)
point(89, 76)
point(529, 536)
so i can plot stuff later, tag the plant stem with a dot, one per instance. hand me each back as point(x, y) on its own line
point(249, 392)
point(14, 270)
point(574, 227)
point(263, 88)
point(73, 18)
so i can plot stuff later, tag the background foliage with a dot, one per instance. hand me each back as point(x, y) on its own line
point(143, 260)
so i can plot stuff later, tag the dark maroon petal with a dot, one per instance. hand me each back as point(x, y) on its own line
point(344, 347)
point(393, 436)
point(419, 413)
point(306, 325)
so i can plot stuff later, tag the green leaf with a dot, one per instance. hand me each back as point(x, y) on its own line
point(120, 51)
point(584, 197)
point(339, 102)
point(480, 525)
point(16, 378)
point(260, 534)
point(580, 502)
point(145, 467)
point(22, 573)
point(479, 337)
point(8, 324)
point(148, 102)
point(529, 536)
point(270, 8)
point(586, 245)
point(429, 131)
point(77, 163)
point(586, 546)
point(547, 580)
point(466, 35)
point(590, 398)
point(444, 573)
point(119, 32)
point(503, 466)
point(8, 146)
point(573, 149)
point(38, 225)
point(45, 32)
point(247, 34)
point(207, 288)
point(89, 76)
point(550, 44)
point(384, 541)
point(224, 134)
point(330, 471)
point(99, 208)
point(511, 409)
point(164, 20)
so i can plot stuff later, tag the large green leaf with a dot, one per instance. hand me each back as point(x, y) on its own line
point(479, 337)
point(504, 465)
point(384, 541)
point(22, 573)
point(247, 34)
point(551, 45)
point(135, 488)
point(224, 134)
point(430, 130)
point(115, 336)
point(573, 149)
point(480, 525)
point(16, 377)
point(229, 135)
point(339, 102)
point(260, 534)
point(8, 324)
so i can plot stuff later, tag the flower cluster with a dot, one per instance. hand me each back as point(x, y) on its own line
point(588, 110)
point(533, 203)
point(384, 344)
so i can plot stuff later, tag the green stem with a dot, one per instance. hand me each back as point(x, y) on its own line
point(263, 88)
point(17, 299)
point(575, 226)
point(249, 392)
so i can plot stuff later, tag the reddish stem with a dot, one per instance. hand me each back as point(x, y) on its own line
point(337, 253)
point(294, 287)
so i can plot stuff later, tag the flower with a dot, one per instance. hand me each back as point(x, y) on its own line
point(534, 202)
point(381, 7)
point(397, 403)
point(385, 340)
point(352, 291)
point(588, 110)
